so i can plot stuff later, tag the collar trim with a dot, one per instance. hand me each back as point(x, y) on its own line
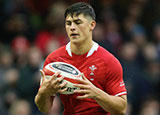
point(91, 51)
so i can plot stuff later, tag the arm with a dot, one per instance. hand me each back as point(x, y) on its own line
point(49, 87)
point(112, 104)
point(43, 102)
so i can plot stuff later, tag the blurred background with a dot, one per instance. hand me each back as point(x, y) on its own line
point(31, 29)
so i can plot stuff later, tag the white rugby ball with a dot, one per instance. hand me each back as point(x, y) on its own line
point(70, 73)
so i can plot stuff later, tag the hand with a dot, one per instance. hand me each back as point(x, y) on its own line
point(53, 85)
point(86, 88)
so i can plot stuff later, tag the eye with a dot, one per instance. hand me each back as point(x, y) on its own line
point(68, 23)
point(78, 22)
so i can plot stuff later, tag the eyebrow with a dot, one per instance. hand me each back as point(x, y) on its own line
point(74, 20)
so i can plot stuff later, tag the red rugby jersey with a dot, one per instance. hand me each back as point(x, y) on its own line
point(100, 67)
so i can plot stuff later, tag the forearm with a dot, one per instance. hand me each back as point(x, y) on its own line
point(43, 102)
point(112, 104)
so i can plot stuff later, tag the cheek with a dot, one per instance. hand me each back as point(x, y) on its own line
point(67, 29)
point(84, 29)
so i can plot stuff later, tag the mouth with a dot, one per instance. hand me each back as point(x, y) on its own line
point(74, 35)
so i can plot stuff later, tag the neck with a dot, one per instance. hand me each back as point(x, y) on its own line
point(83, 48)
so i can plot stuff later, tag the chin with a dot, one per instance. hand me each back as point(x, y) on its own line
point(76, 41)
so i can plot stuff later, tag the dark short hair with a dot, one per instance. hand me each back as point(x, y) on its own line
point(80, 8)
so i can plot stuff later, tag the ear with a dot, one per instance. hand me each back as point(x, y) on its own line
point(93, 24)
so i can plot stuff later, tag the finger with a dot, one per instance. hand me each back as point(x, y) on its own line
point(81, 91)
point(57, 73)
point(62, 87)
point(84, 80)
point(83, 76)
point(63, 84)
point(54, 76)
point(81, 86)
point(59, 80)
point(62, 90)
point(42, 74)
point(82, 97)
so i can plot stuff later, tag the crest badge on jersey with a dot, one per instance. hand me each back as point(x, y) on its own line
point(91, 70)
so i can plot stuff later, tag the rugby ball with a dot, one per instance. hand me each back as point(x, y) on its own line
point(70, 73)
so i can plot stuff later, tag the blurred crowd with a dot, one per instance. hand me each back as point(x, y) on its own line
point(31, 29)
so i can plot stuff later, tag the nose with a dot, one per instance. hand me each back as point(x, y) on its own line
point(72, 27)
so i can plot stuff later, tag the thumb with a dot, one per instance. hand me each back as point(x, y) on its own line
point(87, 81)
point(84, 77)
point(42, 74)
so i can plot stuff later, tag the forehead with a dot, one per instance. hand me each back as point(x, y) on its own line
point(76, 17)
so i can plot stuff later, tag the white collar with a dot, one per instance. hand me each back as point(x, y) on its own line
point(91, 51)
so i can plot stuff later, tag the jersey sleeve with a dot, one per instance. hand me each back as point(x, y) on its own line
point(114, 82)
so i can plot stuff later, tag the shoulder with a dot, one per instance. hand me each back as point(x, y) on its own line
point(109, 59)
point(105, 55)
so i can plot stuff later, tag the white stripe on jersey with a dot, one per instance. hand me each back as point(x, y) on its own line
point(94, 48)
point(69, 49)
point(91, 51)
point(121, 93)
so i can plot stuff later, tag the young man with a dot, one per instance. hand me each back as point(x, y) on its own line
point(102, 90)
